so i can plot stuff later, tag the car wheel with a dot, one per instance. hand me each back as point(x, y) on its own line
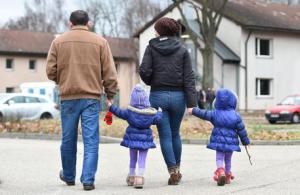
point(46, 116)
point(272, 121)
point(295, 118)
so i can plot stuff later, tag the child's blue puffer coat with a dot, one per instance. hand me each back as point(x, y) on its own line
point(228, 125)
point(138, 134)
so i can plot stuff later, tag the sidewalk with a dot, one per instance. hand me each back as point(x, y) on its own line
point(32, 166)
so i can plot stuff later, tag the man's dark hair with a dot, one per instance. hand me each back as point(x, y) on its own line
point(79, 17)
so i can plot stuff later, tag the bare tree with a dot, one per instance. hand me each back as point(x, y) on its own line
point(137, 13)
point(40, 15)
point(105, 16)
point(209, 15)
point(120, 17)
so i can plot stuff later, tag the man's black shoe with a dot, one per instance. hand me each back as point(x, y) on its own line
point(88, 187)
point(69, 183)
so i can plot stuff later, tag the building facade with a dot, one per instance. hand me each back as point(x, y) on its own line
point(256, 52)
point(23, 59)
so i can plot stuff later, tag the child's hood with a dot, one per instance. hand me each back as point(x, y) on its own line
point(225, 100)
point(141, 118)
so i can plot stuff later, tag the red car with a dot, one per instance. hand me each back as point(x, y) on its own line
point(287, 110)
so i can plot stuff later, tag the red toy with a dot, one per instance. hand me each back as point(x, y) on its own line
point(108, 118)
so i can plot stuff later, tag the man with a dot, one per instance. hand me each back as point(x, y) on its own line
point(81, 63)
point(210, 97)
point(201, 97)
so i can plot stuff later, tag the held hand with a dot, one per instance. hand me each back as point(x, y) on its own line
point(109, 102)
point(190, 111)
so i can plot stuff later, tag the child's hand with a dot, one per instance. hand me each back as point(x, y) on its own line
point(159, 109)
point(190, 111)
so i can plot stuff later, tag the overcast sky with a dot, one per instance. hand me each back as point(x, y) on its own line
point(15, 8)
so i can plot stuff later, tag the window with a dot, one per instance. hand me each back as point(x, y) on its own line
point(31, 100)
point(32, 65)
point(264, 87)
point(10, 90)
point(193, 53)
point(297, 100)
point(263, 47)
point(42, 100)
point(9, 64)
point(16, 100)
point(30, 90)
point(43, 91)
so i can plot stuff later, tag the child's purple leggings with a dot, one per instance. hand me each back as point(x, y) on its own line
point(224, 156)
point(140, 157)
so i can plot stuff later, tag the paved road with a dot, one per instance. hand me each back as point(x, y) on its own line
point(31, 167)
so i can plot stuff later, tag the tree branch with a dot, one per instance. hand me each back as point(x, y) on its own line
point(186, 24)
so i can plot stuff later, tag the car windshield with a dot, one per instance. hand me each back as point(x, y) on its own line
point(291, 101)
point(297, 100)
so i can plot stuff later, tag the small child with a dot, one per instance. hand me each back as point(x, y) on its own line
point(228, 126)
point(138, 137)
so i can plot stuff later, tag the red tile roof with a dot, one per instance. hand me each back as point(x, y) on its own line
point(38, 43)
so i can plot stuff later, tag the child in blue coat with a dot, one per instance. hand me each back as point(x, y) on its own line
point(228, 128)
point(138, 137)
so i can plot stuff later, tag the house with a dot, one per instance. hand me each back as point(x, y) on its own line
point(23, 59)
point(256, 52)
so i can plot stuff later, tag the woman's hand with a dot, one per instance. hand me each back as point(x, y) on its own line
point(109, 103)
point(190, 111)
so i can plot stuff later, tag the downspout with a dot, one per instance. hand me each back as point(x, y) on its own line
point(222, 74)
point(246, 70)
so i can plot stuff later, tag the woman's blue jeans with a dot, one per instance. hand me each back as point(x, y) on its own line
point(173, 104)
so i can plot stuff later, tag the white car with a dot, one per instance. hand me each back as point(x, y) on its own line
point(20, 106)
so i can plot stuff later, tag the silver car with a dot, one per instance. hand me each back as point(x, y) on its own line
point(20, 106)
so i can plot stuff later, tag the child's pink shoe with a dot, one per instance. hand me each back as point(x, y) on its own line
point(220, 176)
point(229, 177)
point(130, 180)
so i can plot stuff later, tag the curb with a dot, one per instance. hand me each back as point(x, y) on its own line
point(103, 139)
point(253, 142)
point(107, 139)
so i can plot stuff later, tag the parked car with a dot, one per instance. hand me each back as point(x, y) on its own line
point(287, 110)
point(20, 106)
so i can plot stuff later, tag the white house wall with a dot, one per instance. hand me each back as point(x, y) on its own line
point(229, 77)
point(231, 35)
point(149, 33)
point(283, 68)
point(217, 72)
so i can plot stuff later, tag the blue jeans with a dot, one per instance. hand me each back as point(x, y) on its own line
point(173, 104)
point(88, 111)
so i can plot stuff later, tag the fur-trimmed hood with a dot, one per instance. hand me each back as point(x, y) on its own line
point(146, 111)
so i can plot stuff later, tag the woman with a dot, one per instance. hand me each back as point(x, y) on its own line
point(166, 67)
